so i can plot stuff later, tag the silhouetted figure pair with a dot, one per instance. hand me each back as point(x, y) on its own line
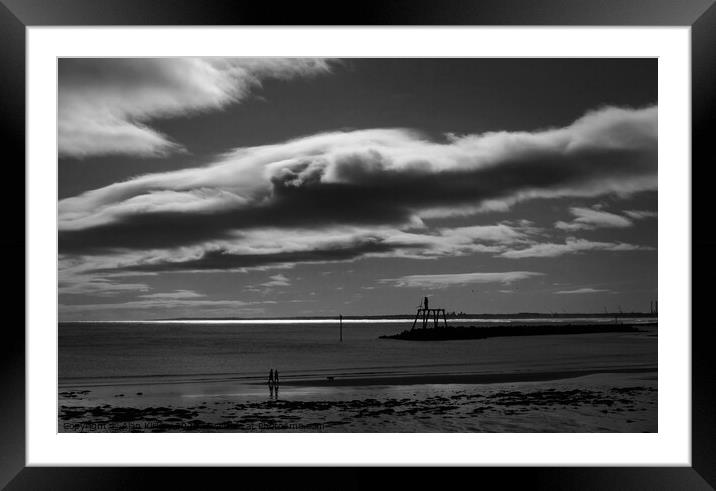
point(273, 377)
point(273, 383)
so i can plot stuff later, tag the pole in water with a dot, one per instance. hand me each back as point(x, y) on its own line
point(340, 318)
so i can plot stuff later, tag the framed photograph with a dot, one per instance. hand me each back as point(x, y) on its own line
point(404, 237)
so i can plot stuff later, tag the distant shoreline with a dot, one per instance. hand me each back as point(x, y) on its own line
point(406, 317)
point(519, 315)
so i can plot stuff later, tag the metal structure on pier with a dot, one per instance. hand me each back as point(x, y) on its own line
point(426, 314)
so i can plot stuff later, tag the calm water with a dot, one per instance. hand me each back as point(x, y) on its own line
point(131, 352)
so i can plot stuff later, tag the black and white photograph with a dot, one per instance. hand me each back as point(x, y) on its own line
point(357, 245)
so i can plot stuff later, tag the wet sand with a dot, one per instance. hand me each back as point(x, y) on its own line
point(622, 400)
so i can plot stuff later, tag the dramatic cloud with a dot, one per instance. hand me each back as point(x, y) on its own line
point(105, 105)
point(570, 246)
point(582, 291)
point(391, 178)
point(439, 281)
point(588, 219)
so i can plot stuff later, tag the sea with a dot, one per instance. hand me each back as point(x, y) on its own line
point(187, 351)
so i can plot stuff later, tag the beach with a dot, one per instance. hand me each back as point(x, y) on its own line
point(212, 377)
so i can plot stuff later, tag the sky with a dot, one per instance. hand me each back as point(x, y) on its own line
point(239, 187)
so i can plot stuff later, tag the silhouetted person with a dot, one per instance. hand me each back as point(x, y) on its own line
point(426, 303)
point(275, 378)
point(270, 380)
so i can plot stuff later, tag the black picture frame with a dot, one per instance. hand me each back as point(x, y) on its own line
point(16, 15)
